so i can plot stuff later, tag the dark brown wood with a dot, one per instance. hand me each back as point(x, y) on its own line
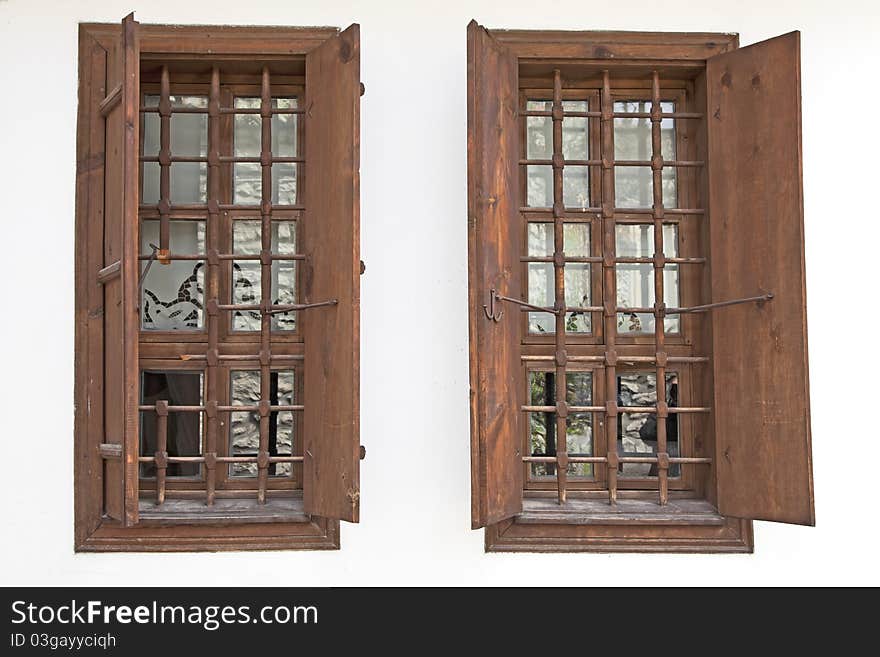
point(121, 319)
point(331, 237)
point(762, 409)
point(496, 374)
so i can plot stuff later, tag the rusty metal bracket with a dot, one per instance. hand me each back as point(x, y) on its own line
point(302, 306)
point(518, 302)
point(490, 309)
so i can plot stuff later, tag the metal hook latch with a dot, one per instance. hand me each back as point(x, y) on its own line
point(490, 309)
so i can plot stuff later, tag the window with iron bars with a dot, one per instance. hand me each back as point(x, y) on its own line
point(631, 275)
point(219, 359)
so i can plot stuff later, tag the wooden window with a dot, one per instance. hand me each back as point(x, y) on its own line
point(217, 287)
point(637, 302)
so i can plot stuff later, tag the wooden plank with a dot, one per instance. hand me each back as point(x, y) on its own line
point(331, 238)
point(89, 330)
point(615, 45)
point(762, 410)
point(626, 511)
point(496, 374)
point(121, 373)
point(234, 511)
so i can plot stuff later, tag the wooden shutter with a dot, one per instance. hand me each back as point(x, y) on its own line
point(762, 409)
point(496, 373)
point(119, 277)
point(331, 236)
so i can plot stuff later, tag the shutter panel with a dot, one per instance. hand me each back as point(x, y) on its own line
point(331, 240)
point(762, 409)
point(496, 373)
point(120, 278)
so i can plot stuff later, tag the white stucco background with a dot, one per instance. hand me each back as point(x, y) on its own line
point(415, 480)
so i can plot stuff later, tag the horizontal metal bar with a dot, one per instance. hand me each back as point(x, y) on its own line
point(572, 259)
point(224, 409)
point(571, 163)
point(227, 256)
point(203, 207)
point(571, 409)
point(258, 160)
point(646, 260)
point(274, 309)
point(690, 460)
point(225, 110)
point(565, 114)
point(620, 358)
point(581, 211)
point(665, 163)
point(663, 115)
point(223, 459)
point(243, 357)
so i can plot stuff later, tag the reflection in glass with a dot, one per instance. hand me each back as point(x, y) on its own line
point(246, 239)
point(189, 137)
point(575, 146)
point(633, 186)
point(637, 432)
point(635, 281)
point(173, 293)
point(184, 433)
point(244, 427)
point(248, 139)
point(576, 242)
point(579, 426)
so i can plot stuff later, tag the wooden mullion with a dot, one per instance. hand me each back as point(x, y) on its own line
point(212, 290)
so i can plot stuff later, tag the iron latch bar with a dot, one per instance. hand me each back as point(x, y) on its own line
point(760, 300)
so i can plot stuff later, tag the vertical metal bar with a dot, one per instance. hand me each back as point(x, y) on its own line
point(609, 287)
point(161, 454)
point(265, 283)
point(559, 289)
point(164, 166)
point(212, 288)
point(659, 305)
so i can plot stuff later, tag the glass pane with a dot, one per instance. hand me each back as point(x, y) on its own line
point(579, 426)
point(246, 239)
point(244, 427)
point(576, 242)
point(633, 186)
point(173, 293)
point(189, 137)
point(575, 146)
point(247, 143)
point(184, 434)
point(635, 281)
point(637, 432)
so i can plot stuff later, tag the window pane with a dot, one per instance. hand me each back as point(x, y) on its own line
point(246, 239)
point(173, 293)
point(633, 186)
point(637, 432)
point(575, 146)
point(635, 281)
point(576, 242)
point(579, 426)
point(248, 141)
point(189, 137)
point(244, 427)
point(184, 433)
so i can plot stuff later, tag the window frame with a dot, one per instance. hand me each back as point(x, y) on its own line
point(512, 525)
point(93, 530)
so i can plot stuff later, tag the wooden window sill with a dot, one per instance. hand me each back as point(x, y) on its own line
point(634, 524)
point(224, 511)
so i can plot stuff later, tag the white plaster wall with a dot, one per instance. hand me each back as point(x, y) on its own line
point(414, 243)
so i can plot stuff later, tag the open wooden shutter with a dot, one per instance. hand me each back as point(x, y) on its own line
point(762, 404)
point(497, 386)
point(119, 277)
point(331, 236)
